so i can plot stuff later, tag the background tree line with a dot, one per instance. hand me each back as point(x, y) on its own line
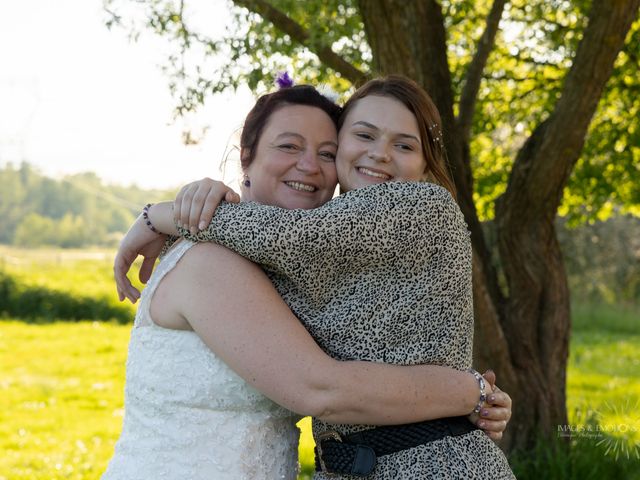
point(74, 211)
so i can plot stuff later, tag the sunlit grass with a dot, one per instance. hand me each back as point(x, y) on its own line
point(603, 384)
point(305, 449)
point(603, 401)
point(83, 273)
point(61, 397)
point(47, 284)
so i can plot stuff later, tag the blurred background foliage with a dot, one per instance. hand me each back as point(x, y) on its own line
point(71, 212)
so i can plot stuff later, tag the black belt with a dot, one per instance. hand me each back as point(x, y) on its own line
point(357, 453)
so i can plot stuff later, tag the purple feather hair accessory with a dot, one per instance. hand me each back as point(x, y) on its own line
point(283, 80)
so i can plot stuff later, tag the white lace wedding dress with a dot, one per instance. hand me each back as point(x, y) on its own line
point(188, 416)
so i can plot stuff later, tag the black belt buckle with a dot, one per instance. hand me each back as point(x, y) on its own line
point(324, 436)
point(362, 462)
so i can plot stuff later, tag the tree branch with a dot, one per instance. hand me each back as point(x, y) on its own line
point(542, 169)
point(284, 23)
point(476, 67)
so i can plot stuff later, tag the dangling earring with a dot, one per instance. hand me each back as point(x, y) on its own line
point(246, 182)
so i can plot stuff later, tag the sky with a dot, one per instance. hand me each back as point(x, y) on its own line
point(77, 97)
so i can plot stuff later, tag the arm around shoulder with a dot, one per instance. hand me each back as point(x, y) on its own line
point(394, 212)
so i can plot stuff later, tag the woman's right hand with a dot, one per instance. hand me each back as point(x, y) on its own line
point(196, 202)
point(139, 240)
point(496, 411)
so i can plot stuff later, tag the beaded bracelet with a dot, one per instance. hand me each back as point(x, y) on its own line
point(483, 395)
point(145, 216)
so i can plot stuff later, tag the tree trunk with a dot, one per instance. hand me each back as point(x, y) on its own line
point(523, 334)
point(537, 313)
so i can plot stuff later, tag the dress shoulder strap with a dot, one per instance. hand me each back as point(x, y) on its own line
point(166, 264)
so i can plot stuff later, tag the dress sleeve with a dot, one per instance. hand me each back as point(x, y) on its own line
point(362, 227)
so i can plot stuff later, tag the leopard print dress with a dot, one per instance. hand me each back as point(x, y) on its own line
point(383, 274)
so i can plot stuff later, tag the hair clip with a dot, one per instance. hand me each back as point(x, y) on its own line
point(437, 135)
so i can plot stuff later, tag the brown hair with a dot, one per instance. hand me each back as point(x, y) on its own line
point(265, 107)
point(412, 96)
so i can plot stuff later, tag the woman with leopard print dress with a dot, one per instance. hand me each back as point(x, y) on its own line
point(381, 273)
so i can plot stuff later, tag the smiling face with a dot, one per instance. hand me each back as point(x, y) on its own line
point(294, 164)
point(379, 142)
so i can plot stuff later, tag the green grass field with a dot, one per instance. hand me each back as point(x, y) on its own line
point(61, 383)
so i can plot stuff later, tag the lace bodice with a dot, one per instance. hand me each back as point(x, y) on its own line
point(188, 415)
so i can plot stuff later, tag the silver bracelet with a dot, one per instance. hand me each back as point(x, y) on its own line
point(481, 384)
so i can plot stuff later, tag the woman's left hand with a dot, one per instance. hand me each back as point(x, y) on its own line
point(196, 202)
point(496, 412)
